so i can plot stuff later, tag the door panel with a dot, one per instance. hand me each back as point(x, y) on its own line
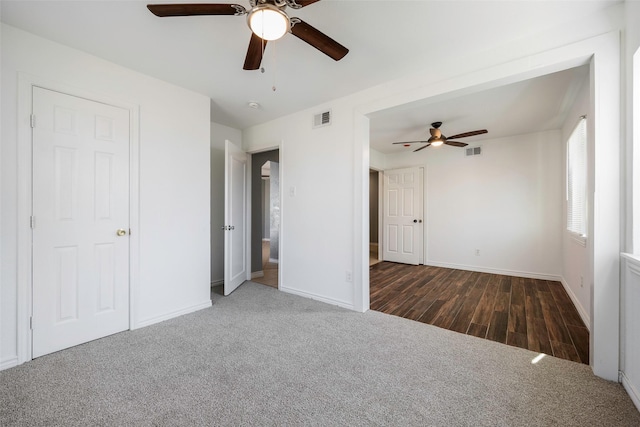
point(80, 199)
point(235, 235)
point(402, 219)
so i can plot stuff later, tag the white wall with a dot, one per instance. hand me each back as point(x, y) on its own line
point(316, 222)
point(575, 257)
point(174, 262)
point(219, 133)
point(505, 202)
point(630, 336)
point(632, 128)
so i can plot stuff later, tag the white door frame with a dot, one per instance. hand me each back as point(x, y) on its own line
point(602, 52)
point(281, 260)
point(24, 200)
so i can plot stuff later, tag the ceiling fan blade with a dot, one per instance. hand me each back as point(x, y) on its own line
point(456, 143)
point(411, 142)
point(254, 53)
point(472, 133)
point(304, 3)
point(186, 9)
point(317, 39)
point(422, 148)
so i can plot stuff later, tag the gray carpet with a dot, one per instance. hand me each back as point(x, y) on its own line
point(263, 357)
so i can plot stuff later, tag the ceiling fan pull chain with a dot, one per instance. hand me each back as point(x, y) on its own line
point(275, 66)
point(262, 43)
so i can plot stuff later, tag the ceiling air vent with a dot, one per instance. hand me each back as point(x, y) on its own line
point(473, 151)
point(322, 119)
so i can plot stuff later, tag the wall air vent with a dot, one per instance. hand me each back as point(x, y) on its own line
point(322, 119)
point(473, 151)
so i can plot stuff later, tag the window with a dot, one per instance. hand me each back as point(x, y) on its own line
point(577, 179)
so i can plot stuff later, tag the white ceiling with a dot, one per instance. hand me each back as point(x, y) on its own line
point(387, 40)
point(528, 106)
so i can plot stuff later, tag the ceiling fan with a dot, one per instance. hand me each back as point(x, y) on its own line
point(437, 138)
point(267, 20)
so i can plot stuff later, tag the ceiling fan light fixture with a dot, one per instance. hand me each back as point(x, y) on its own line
point(437, 142)
point(268, 22)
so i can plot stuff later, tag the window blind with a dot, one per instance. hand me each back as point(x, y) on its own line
point(577, 179)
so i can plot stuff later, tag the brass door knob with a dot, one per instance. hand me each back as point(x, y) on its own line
point(121, 232)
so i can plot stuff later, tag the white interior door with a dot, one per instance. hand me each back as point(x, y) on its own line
point(402, 219)
point(235, 217)
point(80, 201)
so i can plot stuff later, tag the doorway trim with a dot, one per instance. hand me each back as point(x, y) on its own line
point(281, 260)
point(603, 54)
point(26, 82)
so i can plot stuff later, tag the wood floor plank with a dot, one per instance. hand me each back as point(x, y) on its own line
point(423, 287)
point(557, 330)
point(565, 351)
point(498, 327)
point(432, 312)
point(505, 284)
point(565, 305)
point(517, 291)
point(482, 314)
point(502, 302)
point(580, 338)
point(529, 313)
point(533, 306)
point(538, 337)
point(451, 308)
point(419, 307)
point(476, 330)
point(462, 320)
point(517, 339)
point(517, 319)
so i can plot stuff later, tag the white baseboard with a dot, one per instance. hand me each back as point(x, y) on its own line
point(217, 282)
point(320, 298)
point(584, 315)
point(171, 315)
point(256, 274)
point(273, 261)
point(633, 393)
point(9, 363)
point(527, 274)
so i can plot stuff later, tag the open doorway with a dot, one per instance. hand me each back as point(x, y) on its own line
point(265, 217)
point(513, 260)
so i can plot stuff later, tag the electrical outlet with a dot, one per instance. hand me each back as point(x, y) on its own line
point(477, 252)
point(348, 276)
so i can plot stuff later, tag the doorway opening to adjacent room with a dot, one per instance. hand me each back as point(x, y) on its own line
point(265, 217)
point(496, 255)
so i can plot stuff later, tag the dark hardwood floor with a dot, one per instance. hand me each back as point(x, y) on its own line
point(534, 314)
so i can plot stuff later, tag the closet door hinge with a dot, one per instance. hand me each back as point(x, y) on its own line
point(32, 221)
point(32, 120)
